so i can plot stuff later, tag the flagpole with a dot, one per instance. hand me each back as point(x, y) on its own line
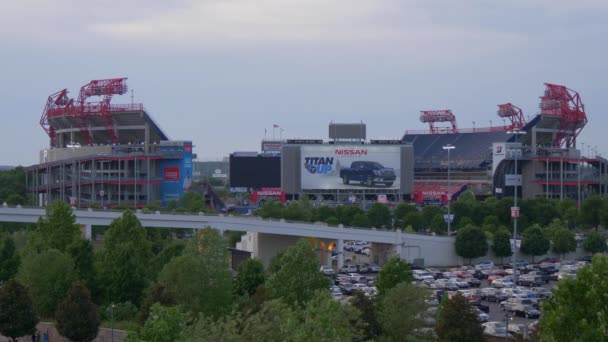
point(273, 128)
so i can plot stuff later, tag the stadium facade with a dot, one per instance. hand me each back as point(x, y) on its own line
point(104, 154)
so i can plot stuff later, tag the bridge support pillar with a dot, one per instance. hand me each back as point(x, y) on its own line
point(88, 231)
point(340, 247)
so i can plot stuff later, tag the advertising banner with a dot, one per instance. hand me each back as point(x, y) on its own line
point(350, 167)
point(176, 172)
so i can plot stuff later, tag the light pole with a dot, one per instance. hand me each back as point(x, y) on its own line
point(515, 210)
point(449, 197)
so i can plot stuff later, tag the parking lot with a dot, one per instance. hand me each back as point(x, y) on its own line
point(534, 284)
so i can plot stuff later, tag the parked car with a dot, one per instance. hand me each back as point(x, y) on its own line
point(328, 271)
point(478, 304)
point(348, 268)
point(485, 265)
point(347, 288)
point(474, 282)
point(530, 280)
point(483, 317)
point(543, 292)
point(551, 260)
point(502, 283)
point(422, 275)
point(363, 268)
point(527, 311)
point(495, 329)
point(511, 303)
point(374, 268)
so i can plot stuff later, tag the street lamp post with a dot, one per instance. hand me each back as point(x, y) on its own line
point(449, 147)
point(515, 211)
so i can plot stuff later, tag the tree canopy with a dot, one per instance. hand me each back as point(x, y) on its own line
point(48, 276)
point(17, 316)
point(393, 273)
point(9, 259)
point(76, 315)
point(250, 275)
point(502, 244)
point(57, 230)
point(595, 243)
point(578, 311)
point(123, 264)
point(471, 243)
point(534, 242)
point(296, 275)
point(200, 278)
point(458, 322)
point(402, 310)
point(563, 241)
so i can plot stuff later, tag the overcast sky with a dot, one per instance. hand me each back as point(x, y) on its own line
point(219, 72)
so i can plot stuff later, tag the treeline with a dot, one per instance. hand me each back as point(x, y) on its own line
point(12, 187)
point(490, 214)
point(185, 290)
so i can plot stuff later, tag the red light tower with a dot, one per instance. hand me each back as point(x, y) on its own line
point(57, 103)
point(513, 113)
point(433, 116)
point(566, 104)
point(105, 88)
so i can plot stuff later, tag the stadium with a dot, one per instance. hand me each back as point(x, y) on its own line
point(104, 154)
point(482, 160)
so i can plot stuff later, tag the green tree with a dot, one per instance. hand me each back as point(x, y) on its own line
point(191, 202)
point(372, 329)
point(325, 319)
point(81, 252)
point(332, 221)
point(296, 211)
point(429, 213)
point(534, 242)
point(379, 215)
point(502, 244)
point(76, 315)
point(458, 321)
point(48, 276)
point(123, 264)
point(594, 243)
point(403, 209)
point(9, 259)
point(12, 186)
point(361, 220)
point(591, 211)
point(57, 230)
point(563, 241)
point(250, 275)
point(392, 273)
point(174, 249)
point(270, 209)
point(577, 310)
point(17, 316)
point(296, 276)
point(157, 293)
point(413, 219)
point(471, 243)
point(165, 324)
point(402, 311)
point(438, 224)
point(200, 277)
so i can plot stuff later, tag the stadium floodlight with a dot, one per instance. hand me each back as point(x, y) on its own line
point(449, 147)
point(516, 132)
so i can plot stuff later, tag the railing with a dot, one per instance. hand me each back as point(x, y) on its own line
point(459, 130)
point(93, 108)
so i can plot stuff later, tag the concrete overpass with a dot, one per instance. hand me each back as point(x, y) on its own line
point(274, 235)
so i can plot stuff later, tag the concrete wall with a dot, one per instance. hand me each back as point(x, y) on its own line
point(436, 252)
